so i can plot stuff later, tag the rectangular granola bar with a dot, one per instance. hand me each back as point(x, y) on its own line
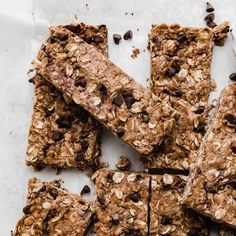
point(167, 216)
point(62, 134)
point(51, 210)
point(180, 75)
point(110, 95)
point(121, 205)
point(211, 187)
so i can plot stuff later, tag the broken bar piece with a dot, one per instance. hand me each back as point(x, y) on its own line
point(121, 205)
point(211, 187)
point(63, 135)
point(180, 75)
point(129, 110)
point(167, 216)
point(51, 210)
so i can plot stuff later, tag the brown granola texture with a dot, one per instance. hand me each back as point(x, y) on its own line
point(51, 210)
point(211, 188)
point(129, 110)
point(167, 216)
point(62, 134)
point(121, 204)
point(180, 75)
point(226, 231)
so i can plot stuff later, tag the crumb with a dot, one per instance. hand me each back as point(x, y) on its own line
point(135, 53)
point(87, 6)
point(137, 29)
point(132, 13)
point(123, 163)
point(126, 13)
point(85, 190)
point(144, 50)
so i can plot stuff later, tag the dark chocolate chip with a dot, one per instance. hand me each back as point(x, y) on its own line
point(79, 157)
point(233, 147)
point(211, 24)
point(233, 76)
point(43, 189)
point(128, 35)
point(120, 132)
point(51, 214)
point(48, 113)
point(117, 38)
point(98, 39)
point(199, 110)
point(86, 189)
point(231, 119)
point(145, 117)
point(129, 101)
point(81, 81)
point(232, 182)
point(88, 39)
point(226, 30)
point(118, 100)
point(64, 122)
point(110, 177)
point(200, 129)
point(209, 7)
point(53, 192)
point(170, 71)
point(135, 197)
point(26, 209)
point(127, 93)
point(182, 39)
point(138, 177)
point(176, 66)
point(102, 201)
point(84, 145)
point(74, 28)
point(177, 93)
point(115, 219)
point(166, 220)
point(95, 218)
point(57, 136)
point(155, 40)
point(132, 232)
point(62, 36)
point(195, 232)
point(209, 17)
point(211, 188)
point(102, 88)
point(32, 80)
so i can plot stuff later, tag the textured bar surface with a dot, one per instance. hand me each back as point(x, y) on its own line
point(110, 95)
point(211, 187)
point(121, 206)
point(226, 231)
point(180, 75)
point(63, 135)
point(53, 211)
point(167, 217)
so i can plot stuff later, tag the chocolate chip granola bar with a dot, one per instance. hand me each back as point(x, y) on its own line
point(62, 134)
point(51, 210)
point(180, 75)
point(121, 205)
point(211, 187)
point(167, 216)
point(130, 111)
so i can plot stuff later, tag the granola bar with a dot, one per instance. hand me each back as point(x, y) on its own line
point(121, 205)
point(211, 188)
point(51, 210)
point(226, 231)
point(167, 216)
point(132, 112)
point(62, 134)
point(180, 75)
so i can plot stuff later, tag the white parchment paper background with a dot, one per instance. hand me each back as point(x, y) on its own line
point(23, 27)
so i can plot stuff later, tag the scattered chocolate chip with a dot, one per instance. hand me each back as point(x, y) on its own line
point(102, 202)
point(211, 24)
point(226, 29)
point(233, 76)
point(177, 93)
point(200, 129)
point(166, 220)
point(182, 39)
point(84, 145)
point(231, 119)
point(26, 210)
point(127, 93)
point(145, 117)
point(128, 35)
point(48, 113)
point(86, 189)
point(57, 136)
point(118, 100)
point(117, 38)
point(62, 36)
point(64, 122)
point(53, 192)
point(199, 110)
point(129, 101)
point(209, 7)
point(31, 80)
point(110, 177)
point(195, 232)
point(102, 88)
point(115, 219)
point(233, 147)
point(88, 39)
point(209, 17)
point(81, 81)
point(79, 157)
point(170, 71)
point(98, 39)
point(51, 214)
point(120, 132)
point(135, 197)
point(123, 164)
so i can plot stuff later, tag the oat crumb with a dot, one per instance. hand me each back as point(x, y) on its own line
point(135, 53)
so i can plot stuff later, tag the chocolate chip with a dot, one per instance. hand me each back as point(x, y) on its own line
point(128, 35)
point(26, 209)
point(170, 71)
point(51, 214)
point(118, 100)
point(53, 192)
point(127, 93)
point(102, 88)
point(88, 39)
point(138, 177)
point(176, 66)
point(84, 145)
point(177, 93)
point(115, 219)
point(74, 28)
point(132, 232)
point(233, 147)
point(102, 201)
point(79, 157)
point(166, 220)
point(117, 38)
point(32, 80)
point(57, 136)
point(120, 132)
point(95, 218)
point(98, 39)
point(64, 122)
point(48, 113)
point(231, 119)
point(233, 76)
point(110, 177)
point(86, 189)
point(43, 189)
point(135, 197)
point(209, 17)
point(211, 188)
point(81, 81)
point(200, 129)
point(199, 110)
point(155, 40)
point(209, 7)
point(129, 101)
point(145, 117)
point(182, 39)
point(211, 24)
point(62, 36)
point(195, 232)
